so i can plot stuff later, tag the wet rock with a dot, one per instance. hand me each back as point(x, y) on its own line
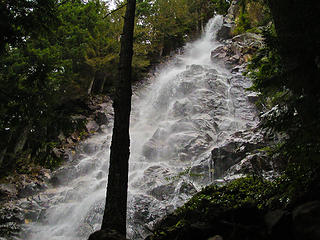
point(7, 191)
point(10, 229)
point(224, 32)
point(11, 218)
point(253, 97)
point(92, 126)
point(150, 149)
point(63, 175)
point(95, 213)
point(238, 50)
point(186, 87)
point(232, 12)
point(257, 163)
point(101, 118)
point(11, 213)
point(100, 175)
point(228, 155)
point(162, 192)
point(181, 108)
point(89, 148)
point(142, 212)
point(84, 230)
point(58, 152)
point(200, 172)
point(195, 69)
point(31, 188)
point(187, 188)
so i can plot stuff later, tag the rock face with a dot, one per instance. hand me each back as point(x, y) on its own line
point(241, 155)
point(225, 32)
point(232, 11)
point(18, 203)
point(237, 50)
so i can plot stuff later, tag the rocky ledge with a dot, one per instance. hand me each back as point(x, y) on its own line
point(21, 201)
point(237, 51)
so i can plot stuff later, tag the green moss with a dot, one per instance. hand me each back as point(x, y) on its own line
point(238, 193)
point(252, 15)
point(231, 202)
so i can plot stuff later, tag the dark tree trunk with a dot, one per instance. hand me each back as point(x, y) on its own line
point(297, 26)
point(115, 212)
point(98, 82)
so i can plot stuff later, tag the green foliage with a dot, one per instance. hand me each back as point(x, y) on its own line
point(43, 71)
point(287, 96)
point(264, 69)
point(185, 173)
point(236, 194)
point(242, 23)
point(249, 195)
point(252, 15)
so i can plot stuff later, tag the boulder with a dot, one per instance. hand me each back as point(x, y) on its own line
point(232, 12)
point(228, 155)
point(224, 32)
point(162, 192)
point(238, 50)
point(150, 149)
point(187, 188)
point(92, 126)
point(8, 190)
point(253, 97)
point(101, 118)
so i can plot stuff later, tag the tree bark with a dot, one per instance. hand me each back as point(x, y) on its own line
point(115, 212)
point(98, 82)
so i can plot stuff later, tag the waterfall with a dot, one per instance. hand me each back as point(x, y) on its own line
point(190, 107)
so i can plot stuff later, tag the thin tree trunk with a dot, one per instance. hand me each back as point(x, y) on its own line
point(115, 213)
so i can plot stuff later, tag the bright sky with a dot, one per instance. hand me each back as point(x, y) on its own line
point(112, 4)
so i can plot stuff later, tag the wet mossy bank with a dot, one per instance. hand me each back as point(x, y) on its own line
point(249, 208)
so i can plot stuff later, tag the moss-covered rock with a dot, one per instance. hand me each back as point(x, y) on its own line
point(246, 208)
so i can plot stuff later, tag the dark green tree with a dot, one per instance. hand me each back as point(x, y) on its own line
point(287, 74)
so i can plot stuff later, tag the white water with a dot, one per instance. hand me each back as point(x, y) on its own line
point(176, 121)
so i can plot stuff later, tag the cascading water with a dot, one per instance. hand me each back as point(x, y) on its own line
point(191, 106)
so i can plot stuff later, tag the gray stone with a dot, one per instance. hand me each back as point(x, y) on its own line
point(150, 149)
point(162, 192)
point(253, 97)
point(63, 175)
point(101, 118)
point(224, 32)
point(92, 126)
point(8, 190)
point(187, 188)
point(230, 154)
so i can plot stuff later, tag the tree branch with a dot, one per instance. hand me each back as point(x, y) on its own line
point(122, 6)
